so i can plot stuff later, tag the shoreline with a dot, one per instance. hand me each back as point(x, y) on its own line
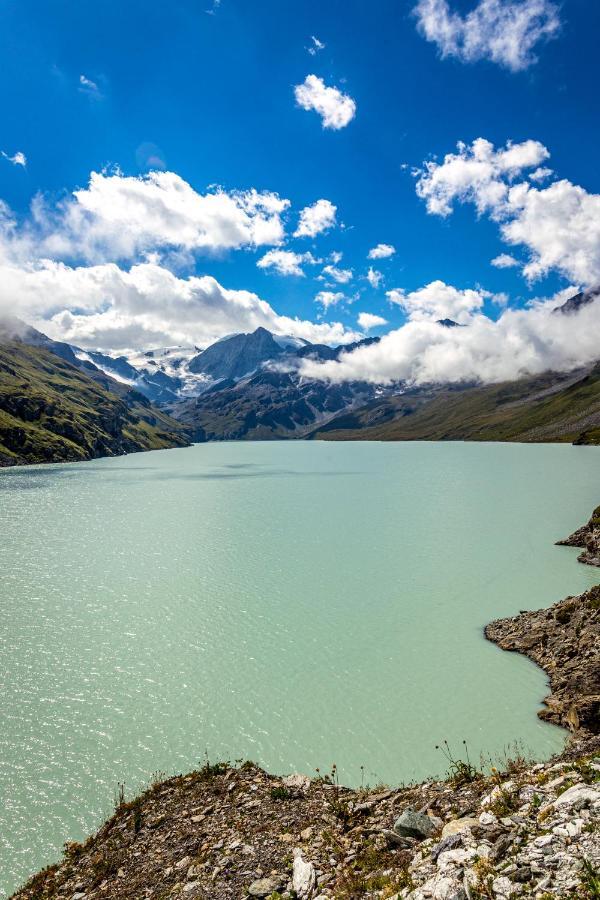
point(224, 832)
point(20, 464)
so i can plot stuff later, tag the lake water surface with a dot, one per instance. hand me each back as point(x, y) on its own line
point(294, 603)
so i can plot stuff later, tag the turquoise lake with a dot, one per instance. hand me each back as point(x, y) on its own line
point(295, 603)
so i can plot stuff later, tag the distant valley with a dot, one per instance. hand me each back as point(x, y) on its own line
point(61, 402)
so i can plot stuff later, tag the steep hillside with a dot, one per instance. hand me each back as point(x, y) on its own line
point(551, 407)
point(271, 400)
point(51, 411)
point(267, 405)
point(236, 356)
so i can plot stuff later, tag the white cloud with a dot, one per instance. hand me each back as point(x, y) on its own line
point(501, 31)
point(520, 342)
point(43, 278)
point(316, 219)
point(335, 108)
point(541, 174)
point(315, 45)
point(381, 251)
point(341, 276)
point(504, 261)
point(374, 277)
point(329, 298)
point(17, 159)
point(559, 225)
point(87, 86)
point(121, 217)
point(368, 320)
point(109, 307)
point(479, 174)
point(285, 262)
point(438, 300)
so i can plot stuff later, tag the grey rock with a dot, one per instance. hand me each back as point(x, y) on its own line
point(396, 840)
point(412, 823)
point(264, 887)
point(448, 843)
point(501, 847)
point(578, 796)
point(296, 782)
point(522, 874)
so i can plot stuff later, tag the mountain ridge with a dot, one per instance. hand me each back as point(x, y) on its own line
point(250, 386)
point(52, 411)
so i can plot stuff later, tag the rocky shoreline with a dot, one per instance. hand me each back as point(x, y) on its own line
point(588, 538)
point(226, 832)
point(564, 641)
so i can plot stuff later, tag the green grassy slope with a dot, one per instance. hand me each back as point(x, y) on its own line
point(51, 411)
point(546, 408)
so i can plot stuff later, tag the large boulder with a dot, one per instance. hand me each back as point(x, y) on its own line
point(304, 876)
point(412, 823)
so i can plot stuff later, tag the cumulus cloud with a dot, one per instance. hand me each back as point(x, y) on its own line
point(285, 262)
point(316, 219)
point(559, 225)
point(478, 174)
point(51, 280)
point(504, 261)
point(374, 277)
point(110, 307)
point(541, 173)
point(369, 320)
point(501, 31)
point(341, 276)
point(335, 108)
point(329, 298)
point(315, 45)
point(119, 217)
point(381, 251)
point(520, 342)
point(438, 300)
point(87, 86)
point(17, 159)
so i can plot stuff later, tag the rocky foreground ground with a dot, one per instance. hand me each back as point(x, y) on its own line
point(226, 833)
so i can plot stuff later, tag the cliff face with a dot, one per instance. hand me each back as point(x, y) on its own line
point(50, 411)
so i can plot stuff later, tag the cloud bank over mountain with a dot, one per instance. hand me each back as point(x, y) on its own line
point(109, 266)
point(99, 267)
point(520, 342)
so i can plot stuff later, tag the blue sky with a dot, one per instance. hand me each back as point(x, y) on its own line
point(210, 96)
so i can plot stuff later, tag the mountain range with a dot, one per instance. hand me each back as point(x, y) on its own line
point(61, 402)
